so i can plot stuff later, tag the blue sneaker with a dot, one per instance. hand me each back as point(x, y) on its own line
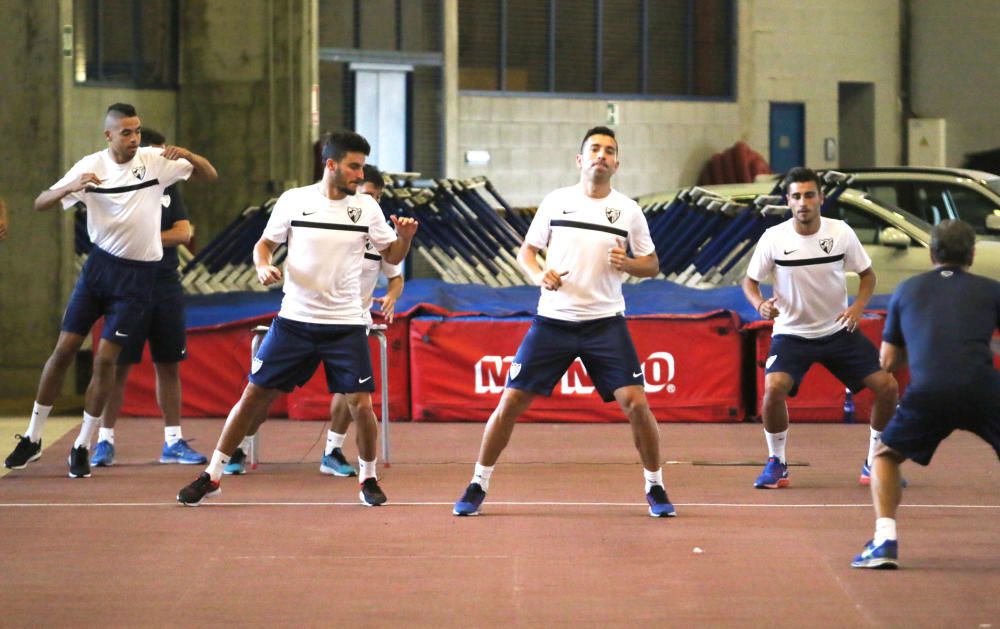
point(470, 501)
point(336, 464)
point(884, 556)
point(659, 503)
point(181, 453)
point(104, 454)
point(237, 464)
point(866, 476)
point(775, 475)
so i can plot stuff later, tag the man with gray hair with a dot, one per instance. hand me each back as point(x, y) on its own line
point(942, 321)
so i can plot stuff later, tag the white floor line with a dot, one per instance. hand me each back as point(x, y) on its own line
point(539, 503)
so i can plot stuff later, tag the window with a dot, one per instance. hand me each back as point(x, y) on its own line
point(126, 42)
point(629, 47)
point(971, 206)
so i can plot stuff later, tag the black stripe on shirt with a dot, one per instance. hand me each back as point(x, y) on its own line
point(338, 226)
point(809, 261)
point(600, 228)
point(138, 186)
point(372, 256)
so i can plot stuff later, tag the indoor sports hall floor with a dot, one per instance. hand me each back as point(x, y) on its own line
point(564, 539)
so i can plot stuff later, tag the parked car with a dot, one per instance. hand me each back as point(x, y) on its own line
point(935, 194)
point(896, 240)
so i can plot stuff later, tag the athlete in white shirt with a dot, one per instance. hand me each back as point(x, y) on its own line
point(121, 187)
point(807, 256)
point(326, 226)
point(587, 230)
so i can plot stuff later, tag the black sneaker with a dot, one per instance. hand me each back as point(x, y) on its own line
point(371, 494)
point(79, 463)
point(24, 452)
point(202, 487)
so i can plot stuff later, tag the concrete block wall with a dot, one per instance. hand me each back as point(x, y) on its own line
point(789, 52)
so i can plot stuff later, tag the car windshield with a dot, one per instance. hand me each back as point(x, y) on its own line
point(910, 217)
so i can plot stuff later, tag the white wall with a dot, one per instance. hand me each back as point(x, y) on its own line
point(954, 52)
point(787, 52)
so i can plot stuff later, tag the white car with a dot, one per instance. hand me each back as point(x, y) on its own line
point(897, 241)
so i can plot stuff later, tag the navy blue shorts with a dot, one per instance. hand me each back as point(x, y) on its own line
point(291, 351)
point(163, 326)
point(849, 356)
point(114, 288)
point(551, 346)
point(924, 420)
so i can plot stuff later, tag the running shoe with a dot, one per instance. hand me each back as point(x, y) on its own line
point(79, 463)
point(336, 464)
point(181, 453)
point(24, 452)
point(371, 494)
point(201, 488)
point(104, 454)
point(237, 464)
point(775, 475)
point(885, 556)
point(470, 501)
point(659, 503)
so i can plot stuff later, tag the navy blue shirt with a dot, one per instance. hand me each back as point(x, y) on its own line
point(945, 318)
point(173, 210)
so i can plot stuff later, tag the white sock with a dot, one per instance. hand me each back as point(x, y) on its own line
point(215, 466)
point(366, 469)
point(873, 445)
point(87, 430)
point(776, 444)
point(885, 529)
point(653, 478)
point(482, 476)
point(106, 434)
point(39, 414)
point(172, 434)
point(334, 440)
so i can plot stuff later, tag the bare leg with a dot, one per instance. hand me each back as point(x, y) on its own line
point(645, 431)
point(168, 392)
point(773, 406)
point(340, 414)
point(361, 411)
point(252, 406)
point(50, 384)
point(513, 403)
point(886, 391)
point(113, 407)
point(887, 489)
point(103, 378)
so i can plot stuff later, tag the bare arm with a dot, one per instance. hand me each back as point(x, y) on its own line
point(405, 229)
point(392, 292)
point(179, 234)
point(48, 198)
point(549, 279)
point(866, 288)
point(766, 308)
point(263, 252)
point(892, 357)
point(203, 169)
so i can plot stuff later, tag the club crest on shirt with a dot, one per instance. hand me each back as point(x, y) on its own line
point(353, 213)
point(612, 214)
point(139, 171)
point(826, 244)
point(515, 368)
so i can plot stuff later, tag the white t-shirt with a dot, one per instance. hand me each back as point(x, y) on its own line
point(808, 274)
point(326, 246)
point(577, 231)
point(123, 212)
point(370, 267)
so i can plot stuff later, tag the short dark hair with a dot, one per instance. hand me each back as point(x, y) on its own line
point(953, 242)
point(341, 143)
point(122, 110)
point(151, 136)
point(374, 176)
point(598, 131)
point(801, 174)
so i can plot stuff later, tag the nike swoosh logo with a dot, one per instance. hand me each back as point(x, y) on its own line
point(788, 251)
point(364, 380)
point(120, 335)
point(637, 374)
point(570, 211)
point(308, 213)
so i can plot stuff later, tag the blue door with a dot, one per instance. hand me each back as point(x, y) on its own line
point(788, 135)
